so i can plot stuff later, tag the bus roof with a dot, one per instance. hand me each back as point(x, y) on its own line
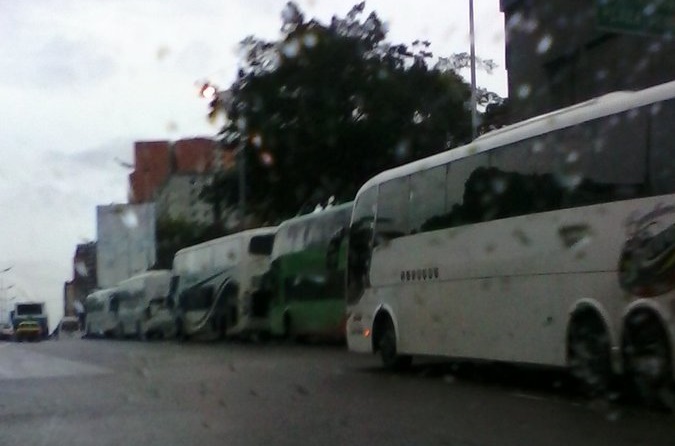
point(598, 107)
point(148, 274)
point(243, 234)
point(314, 215)
point(101, 293)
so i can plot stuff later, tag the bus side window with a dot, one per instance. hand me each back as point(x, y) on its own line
point(392, 210)
point(114, 304)
point(333, 250)
point(360, 244)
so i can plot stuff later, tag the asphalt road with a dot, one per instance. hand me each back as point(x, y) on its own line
point(104, 392)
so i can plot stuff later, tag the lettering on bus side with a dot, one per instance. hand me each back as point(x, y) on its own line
point(419, 274)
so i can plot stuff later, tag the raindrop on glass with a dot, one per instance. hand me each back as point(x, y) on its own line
point(544, 44)
point(291, 48)
point(524, 91)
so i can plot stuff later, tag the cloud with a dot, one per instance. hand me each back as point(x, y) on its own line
point(55, 63)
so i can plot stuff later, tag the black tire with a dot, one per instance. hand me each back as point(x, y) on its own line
point(386, 345)
point(647, 361)
point(181, 335)
point(287, 334)
point(119, 331)
point(589, 355)
point(140, 334)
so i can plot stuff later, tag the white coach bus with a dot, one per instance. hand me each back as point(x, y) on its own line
point(215, 289)
point(549, 242)
point(101, 316)
point(142, 310)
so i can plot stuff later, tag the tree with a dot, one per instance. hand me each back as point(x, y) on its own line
point(326, 107)
point(175, 234)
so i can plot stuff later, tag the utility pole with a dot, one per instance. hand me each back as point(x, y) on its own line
point(474, 101)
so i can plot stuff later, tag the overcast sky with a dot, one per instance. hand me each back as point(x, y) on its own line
point(81, 80)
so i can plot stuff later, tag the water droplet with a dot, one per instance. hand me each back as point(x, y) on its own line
point(544, 44)
point(499, 185)
point(403, 150)
point(266, 158)
point(129, 218)
point(291, 48)
point(538, 146)
point(650, 9)
point(241, 124)
point(256, 140)
point(655, 109)
point(310, 40)
point(81, 269)
point(524, 91)
point(572, 157)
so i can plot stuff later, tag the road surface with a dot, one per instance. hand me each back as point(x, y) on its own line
point(105, 392)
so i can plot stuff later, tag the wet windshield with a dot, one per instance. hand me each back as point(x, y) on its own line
point(329, 221)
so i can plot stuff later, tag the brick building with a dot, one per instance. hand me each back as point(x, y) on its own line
point(172, 174)
point(84, 277)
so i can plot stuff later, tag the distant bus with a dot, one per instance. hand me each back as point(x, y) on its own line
point(30, 311)
point(142, 311)
point(101, 313)
point(215, 289)
point(307, 275)
point(549, 242)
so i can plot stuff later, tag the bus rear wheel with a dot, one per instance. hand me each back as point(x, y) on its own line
point(647, 360)
point(589, 354)
point(386, 345)
point(119, 331)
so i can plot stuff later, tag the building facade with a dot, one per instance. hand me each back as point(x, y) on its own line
point(84, 277)
point(126, 241)
point(559, 53)
point(172, 175)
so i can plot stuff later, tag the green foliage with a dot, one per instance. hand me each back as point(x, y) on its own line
point(326, 107)
point(173, 235)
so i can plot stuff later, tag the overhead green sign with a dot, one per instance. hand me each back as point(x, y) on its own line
point(655, 17)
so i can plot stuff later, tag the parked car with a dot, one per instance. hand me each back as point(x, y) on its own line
point(69, 327)
point(6, 332)
point(28, 330)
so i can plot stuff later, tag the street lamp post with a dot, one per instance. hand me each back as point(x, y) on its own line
point(474, 100)
point(3, 308)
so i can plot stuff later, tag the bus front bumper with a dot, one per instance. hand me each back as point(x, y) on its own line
point(359, 336)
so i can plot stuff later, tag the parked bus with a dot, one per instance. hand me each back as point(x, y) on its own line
point(549, 242)
point(143, 312)
point(101, 317)
point(307, 275)
point(215, 289)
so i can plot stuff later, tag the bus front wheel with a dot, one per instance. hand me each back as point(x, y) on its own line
point(386, 345)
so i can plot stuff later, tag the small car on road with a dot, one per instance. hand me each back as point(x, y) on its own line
point(28, 330)
point(6, 332)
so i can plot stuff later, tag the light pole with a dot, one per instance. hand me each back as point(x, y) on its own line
point(3, 309)
point(474, 101)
